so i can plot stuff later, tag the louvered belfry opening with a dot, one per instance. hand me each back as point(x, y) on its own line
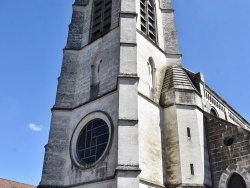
point(147, 11)
point(101, 18)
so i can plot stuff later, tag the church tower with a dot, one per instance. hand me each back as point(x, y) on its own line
point(126, 115)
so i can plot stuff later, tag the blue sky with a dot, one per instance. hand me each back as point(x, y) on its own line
point(214, 38)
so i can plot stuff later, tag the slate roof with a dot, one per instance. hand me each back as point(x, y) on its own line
point(176, 77)
point(12, 184)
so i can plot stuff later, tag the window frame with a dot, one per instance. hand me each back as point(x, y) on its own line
point(89, 139)
point(77, 133)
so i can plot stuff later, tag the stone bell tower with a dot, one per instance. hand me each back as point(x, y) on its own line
point(113, 126)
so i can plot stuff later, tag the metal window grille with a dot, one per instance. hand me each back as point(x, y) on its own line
point(148, 23)
point(101, 20)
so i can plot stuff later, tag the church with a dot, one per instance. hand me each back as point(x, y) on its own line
point(129, 115)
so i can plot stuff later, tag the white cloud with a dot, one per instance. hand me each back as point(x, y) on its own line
point(34, 127)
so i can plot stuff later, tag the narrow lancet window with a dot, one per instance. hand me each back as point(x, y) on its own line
point(95, 71)
point(151, 74)
point(188, 132)
point(101, 20)
point(148, 21)
point(192, 169)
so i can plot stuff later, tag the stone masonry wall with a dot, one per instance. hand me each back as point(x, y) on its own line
point(146, 51)
point(59, 168)
point(80, 26)
point(107, 48)
point(74, 83)
point(170, 35)
point(75, 30)
point(150, 142)
point(224, 157)
point(74, 86)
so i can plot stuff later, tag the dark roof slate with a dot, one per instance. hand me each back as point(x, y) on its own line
point(177, 78)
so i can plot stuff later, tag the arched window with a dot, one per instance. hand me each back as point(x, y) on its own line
point(148, 21)
point(95, 71)
point(213, 112)
point(101, 18)
point(236, 181)
point(151, 74)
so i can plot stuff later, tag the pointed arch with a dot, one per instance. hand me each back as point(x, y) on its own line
point(148, 19)
point(229, 173)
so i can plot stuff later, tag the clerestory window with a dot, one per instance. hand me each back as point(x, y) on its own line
point(213, 112)
point(148, 21)
point(101, 19)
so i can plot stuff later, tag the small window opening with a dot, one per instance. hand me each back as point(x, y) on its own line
point(228, 141)
point(213, 112)
point(99, 68)
point(188, 132)
point(192, 169)
point(95, 69)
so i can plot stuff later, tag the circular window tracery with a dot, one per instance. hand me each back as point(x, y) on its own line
point(91, 140)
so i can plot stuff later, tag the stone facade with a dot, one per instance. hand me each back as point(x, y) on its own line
point(227, 160)
point(161, 132)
